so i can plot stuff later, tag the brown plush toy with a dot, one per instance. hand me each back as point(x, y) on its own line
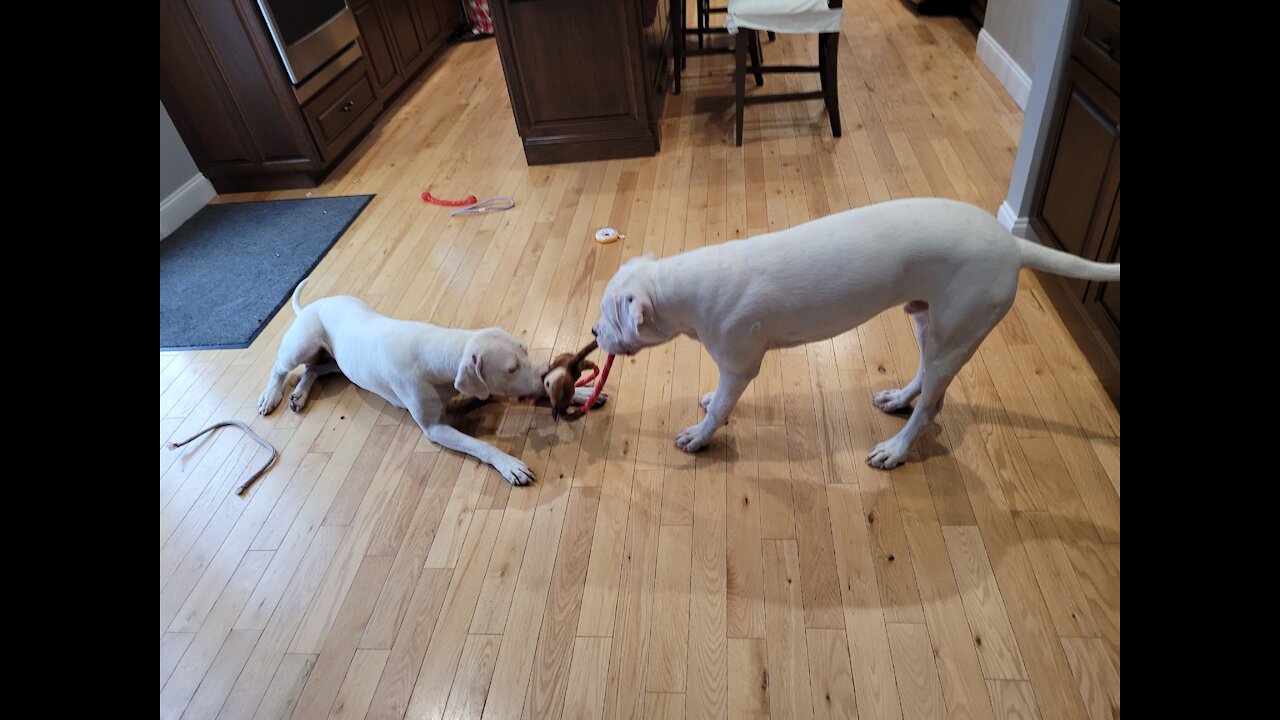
point(562, 377)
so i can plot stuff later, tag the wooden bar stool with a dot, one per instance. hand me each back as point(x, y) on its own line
point(786, 16)
point(681, 50)
point(706, 10)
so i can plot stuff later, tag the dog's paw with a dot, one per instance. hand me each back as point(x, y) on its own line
point(693, 438)
point(298, 400)
point(891, 400)
point(516, 472)
point(583, 394)
point(268, 401)
point(705, 402)
point(888, 454)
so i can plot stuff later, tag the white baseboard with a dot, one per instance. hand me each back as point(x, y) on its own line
point(1019, 226)
point(184, 202)
point(1011, 76)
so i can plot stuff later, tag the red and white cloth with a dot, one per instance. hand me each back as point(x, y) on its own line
point(481, 19)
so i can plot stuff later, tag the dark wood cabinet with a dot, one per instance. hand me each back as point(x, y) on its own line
point(978, 11)
point(400, 36)
point(383, 64)
point(406, 33)
point(232, 101)
point(1082, 176)
point(586, 77)
point(1076, 205)
point(229, 96)
point(342, 110)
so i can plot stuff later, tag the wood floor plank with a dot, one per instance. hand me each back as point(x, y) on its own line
point(1013, 699)
point(669, 640)
point(439, 666)
point(212, 634)
point(789, 679)
point(865, 628)
point(172, 647)
point(584, 694)
point(555, 651)
point(285, 687)
point(359, 684)
point(340, 644)
point(625, 693)
point(706, 691)
point(1099, 680)
point(748, 679)
point(395, 686)
point(1057, 578)
point(744, 574)
point(917, 672)
point(222, 674)
point(997, 650)
point(269, 652)
point(831, 676)
point(475, 673)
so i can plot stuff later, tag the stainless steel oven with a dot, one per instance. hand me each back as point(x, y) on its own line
point(309, 33)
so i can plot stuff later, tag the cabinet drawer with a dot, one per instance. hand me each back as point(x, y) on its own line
point(344, 109)
point(1097, 40)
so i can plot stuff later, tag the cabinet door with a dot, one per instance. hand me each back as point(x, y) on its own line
point(450, 13)
point(1084, 147)
point(377, 48)
point(429, 19)
point(406, 35)
point(1103, 299)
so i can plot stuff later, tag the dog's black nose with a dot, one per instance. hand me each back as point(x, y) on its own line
point(593, 333)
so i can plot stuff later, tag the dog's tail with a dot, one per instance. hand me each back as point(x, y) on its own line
point(297, 292)
point(1059, 263)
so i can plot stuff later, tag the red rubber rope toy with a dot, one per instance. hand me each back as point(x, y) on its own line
point(595, 394)
point(428, 197)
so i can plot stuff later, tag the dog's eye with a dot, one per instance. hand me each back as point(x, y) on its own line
point(631, 298)
point(514, 369)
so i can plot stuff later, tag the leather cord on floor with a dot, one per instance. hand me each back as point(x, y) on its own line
point(258, 438)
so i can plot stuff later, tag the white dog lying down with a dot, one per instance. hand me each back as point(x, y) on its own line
point(950, 264)
point(412, 365)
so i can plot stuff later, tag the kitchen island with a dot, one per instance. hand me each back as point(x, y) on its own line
point(586, 77)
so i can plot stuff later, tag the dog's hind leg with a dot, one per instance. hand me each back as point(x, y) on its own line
point(894, 400)
point(310, 373)
point(950, 343)
point(300, 345)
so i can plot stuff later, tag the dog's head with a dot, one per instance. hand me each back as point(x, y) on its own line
point(628, 318)
point(495, 363)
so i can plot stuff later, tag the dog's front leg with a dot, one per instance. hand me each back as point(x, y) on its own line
point(516, 472)
point(720, 404)
point(429, 412)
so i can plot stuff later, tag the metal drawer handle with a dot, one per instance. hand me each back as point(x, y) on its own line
point(350, 104)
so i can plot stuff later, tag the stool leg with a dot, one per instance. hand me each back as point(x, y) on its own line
point(828, 59)
point(677, 42)
point(740, 42)
point(756, 61)
point(702, 20)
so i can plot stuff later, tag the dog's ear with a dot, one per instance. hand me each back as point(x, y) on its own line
point(640, 310)
point(469, 380)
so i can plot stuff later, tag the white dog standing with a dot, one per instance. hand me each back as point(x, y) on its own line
point(950, 264)
point(412, 365)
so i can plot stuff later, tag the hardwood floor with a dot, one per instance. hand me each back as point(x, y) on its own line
point(371, 574)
